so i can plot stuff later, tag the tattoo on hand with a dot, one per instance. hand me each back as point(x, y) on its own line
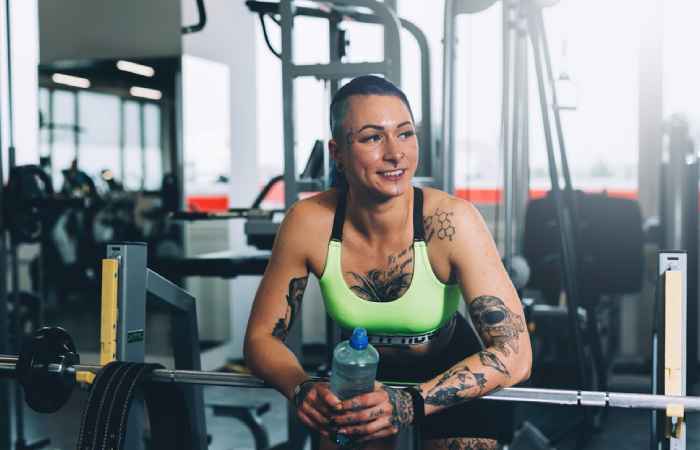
point(402, 403)
point(490, 359)
point(376, 414)
point(380, 285)
point(439, 224)
point(497, 325)
point(297, 286)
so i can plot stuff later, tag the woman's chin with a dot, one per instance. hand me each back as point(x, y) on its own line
point(392, 190)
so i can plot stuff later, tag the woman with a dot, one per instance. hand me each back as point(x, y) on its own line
point(407, 256)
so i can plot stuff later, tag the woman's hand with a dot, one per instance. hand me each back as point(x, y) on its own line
point(374, 415)
point(316, 404)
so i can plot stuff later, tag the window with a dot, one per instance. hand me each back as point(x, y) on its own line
point(601, 134)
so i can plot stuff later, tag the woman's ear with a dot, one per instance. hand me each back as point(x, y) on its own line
point(334, 152)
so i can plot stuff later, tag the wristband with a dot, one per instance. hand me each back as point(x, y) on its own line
point(418, 404)
point(297, 391)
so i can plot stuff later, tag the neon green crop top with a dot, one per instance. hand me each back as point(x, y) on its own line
point(425, 307)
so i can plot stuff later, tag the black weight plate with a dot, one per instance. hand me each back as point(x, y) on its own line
point(47, 391)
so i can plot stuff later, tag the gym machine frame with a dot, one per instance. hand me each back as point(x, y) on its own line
point(135, 282)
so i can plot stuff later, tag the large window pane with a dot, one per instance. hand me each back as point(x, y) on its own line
point(154, 159)
point(681, 69)
point(602, 133)
point(99, 141)
point(133, 163)
point(64, 148)
point(478, 106)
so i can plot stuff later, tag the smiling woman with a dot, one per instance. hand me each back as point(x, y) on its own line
point(397, 262)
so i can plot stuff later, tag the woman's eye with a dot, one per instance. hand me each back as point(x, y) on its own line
point(407, 134)
point(373, 138)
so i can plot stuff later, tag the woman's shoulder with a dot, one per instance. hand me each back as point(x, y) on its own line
point(312, 214)
point(450, 218)
point(436, 201)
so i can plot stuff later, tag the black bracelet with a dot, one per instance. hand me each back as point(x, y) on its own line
point(298, 390)
point(418, 404)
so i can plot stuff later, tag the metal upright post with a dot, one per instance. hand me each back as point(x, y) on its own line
point(446, 156)
point(669, 375)
point(131, 321)
point(185, 343)
point(563, 209)
point(290, 172)
point(6, 406)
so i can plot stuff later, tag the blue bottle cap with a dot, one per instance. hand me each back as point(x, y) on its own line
point(358, 341)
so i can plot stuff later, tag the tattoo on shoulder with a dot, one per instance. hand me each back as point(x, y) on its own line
point(297, 286)
point(497, 325)
point(439, 224)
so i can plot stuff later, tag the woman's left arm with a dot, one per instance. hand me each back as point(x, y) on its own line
point(495, 311)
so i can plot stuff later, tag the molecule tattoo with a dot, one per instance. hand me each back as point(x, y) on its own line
point(440, 224)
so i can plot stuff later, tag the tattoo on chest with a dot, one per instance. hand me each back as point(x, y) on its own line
point(439, 224)
point(297, 286)
point(497, 325)
point(385, 285)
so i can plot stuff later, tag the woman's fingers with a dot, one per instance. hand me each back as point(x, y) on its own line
point(327, 396)
point(384, 432)
point(370, 428)
point(364, 401)
point(365, 415)
point(310, 422)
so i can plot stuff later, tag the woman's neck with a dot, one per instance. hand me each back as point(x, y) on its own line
point(380, 220)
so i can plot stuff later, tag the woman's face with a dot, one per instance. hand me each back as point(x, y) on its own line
point(379, 149)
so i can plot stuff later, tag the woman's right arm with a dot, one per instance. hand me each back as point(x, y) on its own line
point(277, 305)
point(275, 309)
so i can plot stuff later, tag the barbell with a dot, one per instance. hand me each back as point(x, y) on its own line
point(48, 366)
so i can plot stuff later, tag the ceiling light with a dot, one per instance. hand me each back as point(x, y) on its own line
point(138, 69)
point(70, 80)
point(151, 94)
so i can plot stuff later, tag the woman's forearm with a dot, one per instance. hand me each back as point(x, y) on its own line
point(269, 359)
point(473, 377)
point(506, 360)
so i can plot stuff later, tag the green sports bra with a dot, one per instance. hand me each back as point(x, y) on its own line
point(425, 307)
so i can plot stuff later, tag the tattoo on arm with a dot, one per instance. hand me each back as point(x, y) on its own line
point(490, 359)
point(297, 286)
point(454, 387)
point(497, 325)
point(439, 224)
point(379, 285)
point(403, 407)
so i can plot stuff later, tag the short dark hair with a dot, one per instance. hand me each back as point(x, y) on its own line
point(363, 85)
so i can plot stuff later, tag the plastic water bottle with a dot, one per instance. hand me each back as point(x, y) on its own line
point(353, 371)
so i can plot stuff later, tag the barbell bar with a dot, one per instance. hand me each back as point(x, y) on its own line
point(526, 395)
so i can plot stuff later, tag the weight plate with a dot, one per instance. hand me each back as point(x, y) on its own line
point(42, 369)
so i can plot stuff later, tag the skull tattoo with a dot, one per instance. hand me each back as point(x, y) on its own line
point(497, 325)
